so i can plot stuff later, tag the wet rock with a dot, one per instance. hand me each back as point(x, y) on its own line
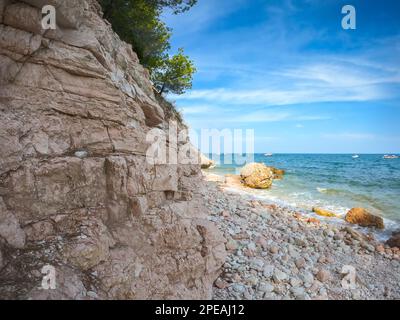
point(363, 218)
point(394, 240)
point(324, 213)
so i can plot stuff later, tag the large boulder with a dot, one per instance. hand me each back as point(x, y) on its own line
point(257, 176)
point(363, 218)
point(394, 241)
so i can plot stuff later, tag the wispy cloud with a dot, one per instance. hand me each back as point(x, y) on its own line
point(309, 83)
point(271, 97)
point(275, 116)
point(196, 109)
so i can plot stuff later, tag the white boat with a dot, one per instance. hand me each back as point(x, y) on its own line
point(355, 156)
point(268, 154)
point(386, 156)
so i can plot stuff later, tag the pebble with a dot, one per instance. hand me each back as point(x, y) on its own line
point(323, 275)
point(307, 278)
point(92, 294)
point(297, 291)
point(268, 271)
point(265, 287)
point(294, 282)
point(274, 249)
point(279, 275)
point(300, 263)
point(275, 253)
point(257, 264)
point(221, 284)
point(231, 245)
point(238, 288)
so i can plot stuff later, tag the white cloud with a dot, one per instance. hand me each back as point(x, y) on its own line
point(274, 116)
point(271, 97)
point(196, 109)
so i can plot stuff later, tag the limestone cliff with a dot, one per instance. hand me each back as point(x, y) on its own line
point(76, 191)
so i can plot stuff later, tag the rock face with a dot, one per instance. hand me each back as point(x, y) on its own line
point(363, 218)
point(76, 188)
point(257, 176)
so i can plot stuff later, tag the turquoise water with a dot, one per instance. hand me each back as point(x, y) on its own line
point(336, 182)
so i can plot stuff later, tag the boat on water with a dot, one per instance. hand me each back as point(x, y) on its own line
point(386, 156)
point(355, 156)
point(268, 154)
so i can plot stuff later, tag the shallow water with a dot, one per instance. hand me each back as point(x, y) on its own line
point(336, 182)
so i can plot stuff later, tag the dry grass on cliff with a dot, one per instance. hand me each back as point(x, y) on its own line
point(171, 113)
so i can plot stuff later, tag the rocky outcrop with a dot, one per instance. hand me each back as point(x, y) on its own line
point(206, 163)
point(363, 218)
point(76, 188)
point(257, 176)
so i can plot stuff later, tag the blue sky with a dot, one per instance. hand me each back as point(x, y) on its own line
point(289, 71)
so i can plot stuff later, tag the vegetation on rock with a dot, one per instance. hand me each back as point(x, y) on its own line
point(138, 22)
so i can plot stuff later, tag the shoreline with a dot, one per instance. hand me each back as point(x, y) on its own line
point(277, 252)
point(231, 182)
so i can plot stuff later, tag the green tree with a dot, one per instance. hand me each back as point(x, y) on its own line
point(138, 23)
point(174, 75)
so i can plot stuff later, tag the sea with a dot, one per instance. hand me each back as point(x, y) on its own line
point(335, 182)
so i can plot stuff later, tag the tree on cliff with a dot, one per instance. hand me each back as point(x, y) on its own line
point(138, 22)
point(174, 75)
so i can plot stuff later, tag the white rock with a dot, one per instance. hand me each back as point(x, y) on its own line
point(268, 271)
point(279, 275)
point(257, 264)
point(265, 287)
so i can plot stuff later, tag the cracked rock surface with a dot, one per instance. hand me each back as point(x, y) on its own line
point(76, 191)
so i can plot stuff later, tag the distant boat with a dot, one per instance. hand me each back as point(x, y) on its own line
point(355, 156)
point(268, 154)
point(386, 156)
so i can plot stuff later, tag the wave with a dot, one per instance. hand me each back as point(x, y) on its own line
point(330, 191)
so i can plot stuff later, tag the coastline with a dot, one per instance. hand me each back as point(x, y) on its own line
point(231, 182)
point(280, 252)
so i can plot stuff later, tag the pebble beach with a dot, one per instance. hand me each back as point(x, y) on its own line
point(275, 252)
